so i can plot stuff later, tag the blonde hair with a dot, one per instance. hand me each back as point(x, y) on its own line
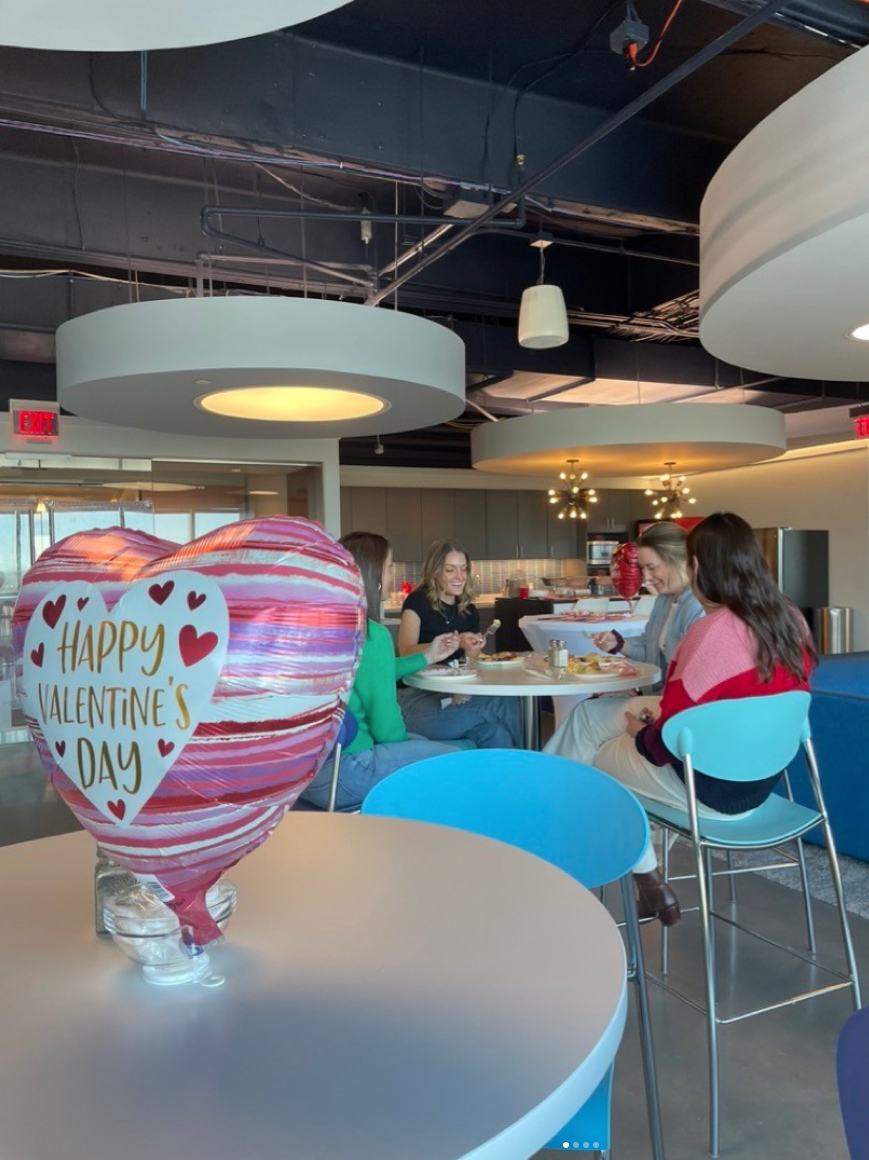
point(435, 559)
point(669, 541)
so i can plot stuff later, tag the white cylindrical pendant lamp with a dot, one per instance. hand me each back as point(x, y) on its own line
point(543, 318)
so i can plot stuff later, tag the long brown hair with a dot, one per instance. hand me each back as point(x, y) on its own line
point(435, 558)
point(729, 569)
point(370, 551)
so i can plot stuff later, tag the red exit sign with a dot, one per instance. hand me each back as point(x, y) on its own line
point(861, 427)
point(35, 424)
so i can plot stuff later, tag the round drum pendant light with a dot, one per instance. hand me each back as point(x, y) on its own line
point(614, 442)
point(270, 367)
point(113, 26)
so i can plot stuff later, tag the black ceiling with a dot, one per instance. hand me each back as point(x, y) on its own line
point(108, 160)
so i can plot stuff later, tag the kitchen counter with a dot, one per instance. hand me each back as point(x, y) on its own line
point(484, 600)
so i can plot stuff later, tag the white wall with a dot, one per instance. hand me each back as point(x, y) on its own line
point(823, 489)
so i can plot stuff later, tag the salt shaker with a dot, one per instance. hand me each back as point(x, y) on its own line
point(557, 657)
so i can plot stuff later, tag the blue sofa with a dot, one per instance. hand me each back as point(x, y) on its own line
point(839, 717)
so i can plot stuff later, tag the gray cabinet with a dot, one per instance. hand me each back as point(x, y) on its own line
point(532, 524)
point(490, 525)
point(502, 526)
point(565, 538)
point(438, 515)
point(612, 512)
point(469, 513)
point(403, 522)
point(368, 510)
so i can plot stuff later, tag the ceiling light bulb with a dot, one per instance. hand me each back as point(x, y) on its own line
point(282, 404)
point(573, 513)
point(561, 515)
point(861, 333)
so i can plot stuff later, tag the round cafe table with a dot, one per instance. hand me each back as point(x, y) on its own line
point(518, 682)
point(577, 635)
point(390, 992)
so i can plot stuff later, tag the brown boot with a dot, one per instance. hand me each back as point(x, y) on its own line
point(655, 899)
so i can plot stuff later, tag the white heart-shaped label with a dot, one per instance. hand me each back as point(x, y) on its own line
point(119, 693)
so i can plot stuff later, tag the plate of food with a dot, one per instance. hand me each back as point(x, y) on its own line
point(600, 667)
point(501, 660)
point(451, 672)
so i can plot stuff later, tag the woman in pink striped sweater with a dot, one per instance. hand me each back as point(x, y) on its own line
point(751, 642)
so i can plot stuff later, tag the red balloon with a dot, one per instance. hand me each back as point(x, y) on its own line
point(181, 698)
point(625, 571)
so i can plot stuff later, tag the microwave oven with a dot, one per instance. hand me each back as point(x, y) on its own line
point(600, 552)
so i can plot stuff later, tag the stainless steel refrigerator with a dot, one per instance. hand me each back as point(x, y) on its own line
point(800, 563)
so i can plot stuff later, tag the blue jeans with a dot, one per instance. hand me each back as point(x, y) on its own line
point(490, 722)
point(361, 771)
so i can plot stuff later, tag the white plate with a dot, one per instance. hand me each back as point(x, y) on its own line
point(513, 663)
point(537, 668)
point(440, 671)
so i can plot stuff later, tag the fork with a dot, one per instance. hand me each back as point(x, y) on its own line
point(493, 627)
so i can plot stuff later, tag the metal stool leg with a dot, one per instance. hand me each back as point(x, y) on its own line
point(635, 947)
point(333, 781)
point(731, 877)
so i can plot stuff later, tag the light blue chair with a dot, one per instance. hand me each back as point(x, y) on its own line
point(746, 740)
point(568, 814)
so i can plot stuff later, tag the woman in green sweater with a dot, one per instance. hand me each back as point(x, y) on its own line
point(382, 744)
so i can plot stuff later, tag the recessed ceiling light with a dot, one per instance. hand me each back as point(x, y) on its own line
point(861, 333)
point(291, 404)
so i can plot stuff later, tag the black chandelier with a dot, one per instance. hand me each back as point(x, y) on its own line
point(672, 496)
point(574, 499)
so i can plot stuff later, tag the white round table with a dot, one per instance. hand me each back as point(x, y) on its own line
point(391, 992)
point(577, 635)
point(517, 682)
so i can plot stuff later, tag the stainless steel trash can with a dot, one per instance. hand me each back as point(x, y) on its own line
point(834, 630)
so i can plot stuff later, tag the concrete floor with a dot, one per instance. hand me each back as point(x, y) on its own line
point(778, 1082)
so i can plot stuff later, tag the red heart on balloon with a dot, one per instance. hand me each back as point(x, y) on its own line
point(179, 730)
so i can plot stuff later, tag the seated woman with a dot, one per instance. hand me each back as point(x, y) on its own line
point(663, 559)
point(382, 743)
point(444, 600)
point(751, 642)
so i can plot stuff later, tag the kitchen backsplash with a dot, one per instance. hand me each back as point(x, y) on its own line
point(492, 575)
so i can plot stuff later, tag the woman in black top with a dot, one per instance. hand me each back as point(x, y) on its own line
point(443, 603)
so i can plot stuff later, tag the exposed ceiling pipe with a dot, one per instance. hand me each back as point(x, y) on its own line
point(842, 21)
point(204, 259)
point(400, 219)
point(420, 248)
point(295, 259)
point(603, 130)
point(616, 251)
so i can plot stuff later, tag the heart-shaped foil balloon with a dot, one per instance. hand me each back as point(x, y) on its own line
point(625, 571)
point(181, 698)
